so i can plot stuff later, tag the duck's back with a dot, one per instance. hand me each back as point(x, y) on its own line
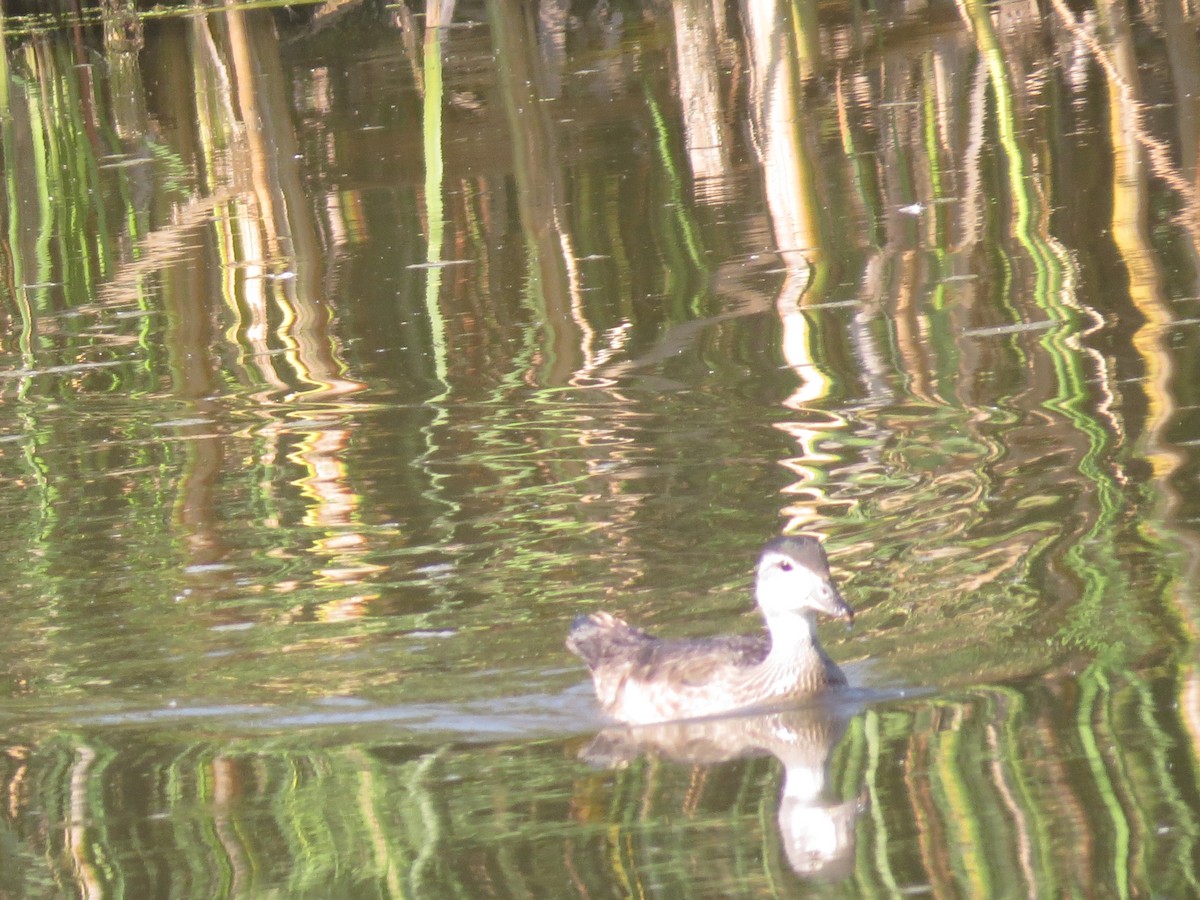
point(640, 678)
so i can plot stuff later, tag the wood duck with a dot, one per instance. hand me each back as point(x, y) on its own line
point(641, 679)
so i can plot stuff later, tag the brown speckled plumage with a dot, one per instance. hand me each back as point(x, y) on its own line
point(641, 679)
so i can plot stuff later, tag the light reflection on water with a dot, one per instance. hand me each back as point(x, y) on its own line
point(343, 373)
point(722, 803)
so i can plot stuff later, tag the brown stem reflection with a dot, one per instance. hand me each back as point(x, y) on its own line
point(704, 123)
point(536, 169)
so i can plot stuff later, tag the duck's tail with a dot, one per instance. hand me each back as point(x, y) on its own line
point(600, 636)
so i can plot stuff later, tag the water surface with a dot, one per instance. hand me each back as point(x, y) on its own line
point(353, 349)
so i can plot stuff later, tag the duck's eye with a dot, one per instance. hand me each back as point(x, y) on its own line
point(785, 565)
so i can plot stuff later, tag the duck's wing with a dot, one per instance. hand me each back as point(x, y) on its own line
point(602, 639)
point(698, 662)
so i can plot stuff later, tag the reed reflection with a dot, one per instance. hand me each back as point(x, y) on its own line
point(816, 826)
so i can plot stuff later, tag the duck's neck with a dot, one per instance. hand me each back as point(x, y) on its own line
point(793, 634)
point(796, 663)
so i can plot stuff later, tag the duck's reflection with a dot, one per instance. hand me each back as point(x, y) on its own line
point(816, 828)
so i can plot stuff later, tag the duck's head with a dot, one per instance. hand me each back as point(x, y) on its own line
point(794, 577)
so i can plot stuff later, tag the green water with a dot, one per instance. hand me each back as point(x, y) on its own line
point(352, 350)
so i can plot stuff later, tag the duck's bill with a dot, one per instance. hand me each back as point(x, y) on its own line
point(840, 609)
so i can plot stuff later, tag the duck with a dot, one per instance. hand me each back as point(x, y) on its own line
point(640, 679)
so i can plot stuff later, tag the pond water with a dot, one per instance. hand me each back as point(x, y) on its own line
point(353, 349)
